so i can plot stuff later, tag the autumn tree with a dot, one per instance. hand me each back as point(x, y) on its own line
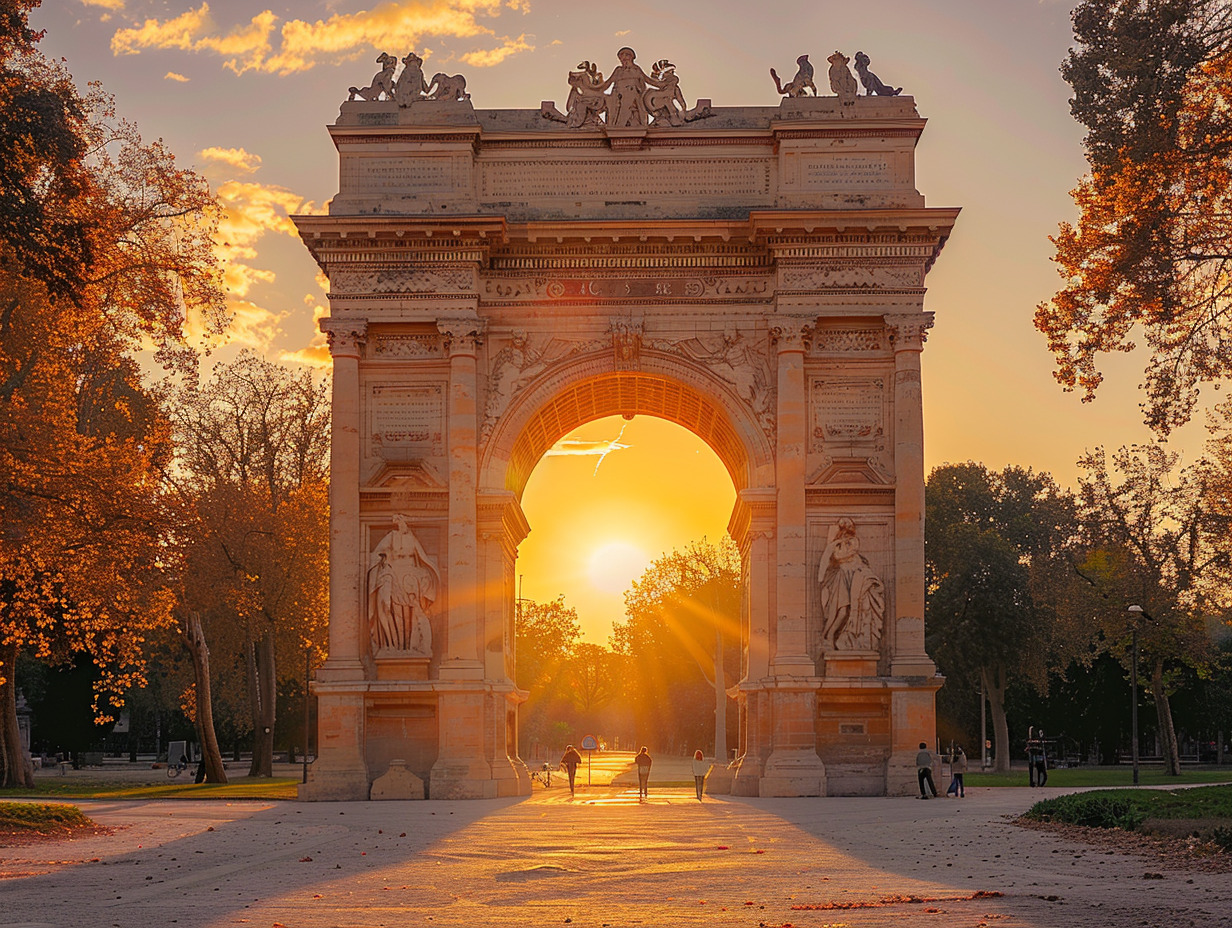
point(1148, 542)
point(252, 474)
point(681, 640)
point(105, 249)
point(994, 546)
point(1149, 255)
point(545, 635)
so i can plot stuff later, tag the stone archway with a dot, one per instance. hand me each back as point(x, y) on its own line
point(498, 277)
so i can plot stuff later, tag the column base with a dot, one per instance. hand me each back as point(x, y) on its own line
point(334, 784)
point(902, 775)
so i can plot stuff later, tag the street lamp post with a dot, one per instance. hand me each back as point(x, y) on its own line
point(1136, 612)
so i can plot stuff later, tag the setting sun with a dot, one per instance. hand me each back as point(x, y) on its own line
point(608, 499)
point(613, 566)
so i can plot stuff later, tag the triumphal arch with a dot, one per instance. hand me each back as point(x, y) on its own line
point(499, 277)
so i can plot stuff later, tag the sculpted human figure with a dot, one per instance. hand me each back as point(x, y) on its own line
point(403, 582)
point(852, 596)
point(873, 85)
point(627, 107)
point(382, 82)
point(411, 85)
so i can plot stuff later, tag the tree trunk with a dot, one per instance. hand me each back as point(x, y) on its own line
point(994, 688)
point(720, 700)
point(262, 696)
point(194, 636)
point(15, 766)
point(1167, 731)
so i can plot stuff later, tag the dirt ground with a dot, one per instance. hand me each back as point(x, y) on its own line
point(600, 859)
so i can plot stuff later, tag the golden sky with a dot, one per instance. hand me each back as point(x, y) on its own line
point(243, 91)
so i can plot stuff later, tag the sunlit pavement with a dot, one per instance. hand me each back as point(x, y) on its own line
point(601, 858)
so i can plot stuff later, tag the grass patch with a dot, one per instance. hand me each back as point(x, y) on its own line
point(1204, 812)
point(244, 788)
point(1109, 777)
point(41, 818)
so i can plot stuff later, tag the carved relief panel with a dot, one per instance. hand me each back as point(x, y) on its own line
point(404, 422)
point(849, 420)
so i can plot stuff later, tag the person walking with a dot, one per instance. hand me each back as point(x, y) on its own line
point(643, 771)
point(924, 770)
point(569, 763)
point(958, 767)
point(701, 770)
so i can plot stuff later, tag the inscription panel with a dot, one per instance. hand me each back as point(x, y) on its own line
point(623, 178)
point(407, 421)
point(847, 412)
point(418, 174)
point(846, 172)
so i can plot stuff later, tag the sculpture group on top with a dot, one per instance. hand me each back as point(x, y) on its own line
point(628, 99)
point(842, 81)
point(410, 86)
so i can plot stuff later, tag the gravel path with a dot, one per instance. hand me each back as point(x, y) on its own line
point(603, 859)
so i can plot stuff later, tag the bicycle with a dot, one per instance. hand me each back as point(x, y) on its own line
point(543, 775)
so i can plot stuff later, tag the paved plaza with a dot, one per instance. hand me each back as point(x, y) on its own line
point(601, 859)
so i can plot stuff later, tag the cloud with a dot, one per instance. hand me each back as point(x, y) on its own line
point(178, 78)
point(251, 210)
point(243, 161)
point(394, 25)
point(622, 33)
point(113, 5)
point(486, 59)
point(316, 353)
point(253, 326)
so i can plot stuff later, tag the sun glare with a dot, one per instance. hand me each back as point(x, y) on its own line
point(615, 565)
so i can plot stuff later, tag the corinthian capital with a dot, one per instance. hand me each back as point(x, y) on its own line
point(346, 338)
point(791, 334)
point(908, 331)
point(462, 333)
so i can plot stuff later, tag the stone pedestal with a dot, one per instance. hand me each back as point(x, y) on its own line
point(793, 767)
point(397, 783)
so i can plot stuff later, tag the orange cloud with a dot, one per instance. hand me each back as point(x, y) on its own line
point(105, 4)
point(253, 326)
point(243, 161)
point(316, 353)
point(178, 78)
point(395, 25)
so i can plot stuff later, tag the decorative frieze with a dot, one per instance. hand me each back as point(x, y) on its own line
point(352, 281)
point(850, 340)
point(851, 276)
point(542, 289)
point(406, 347)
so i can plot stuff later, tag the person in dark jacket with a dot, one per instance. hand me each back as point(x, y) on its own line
point(569, 763)
point(643, 771)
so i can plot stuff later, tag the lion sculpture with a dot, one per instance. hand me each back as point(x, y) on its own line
point(447, 87)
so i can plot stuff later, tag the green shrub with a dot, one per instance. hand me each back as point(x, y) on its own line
point(1223, 837)
point(1095, 810)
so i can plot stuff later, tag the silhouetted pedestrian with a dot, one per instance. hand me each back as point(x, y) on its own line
point(569, 763)
point(924, 770)
point(958, 767)
point(701, 770)
point(643, 771)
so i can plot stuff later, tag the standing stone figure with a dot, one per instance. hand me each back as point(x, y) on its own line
point(403, 582)
point(627, 106)
point(852, 596)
